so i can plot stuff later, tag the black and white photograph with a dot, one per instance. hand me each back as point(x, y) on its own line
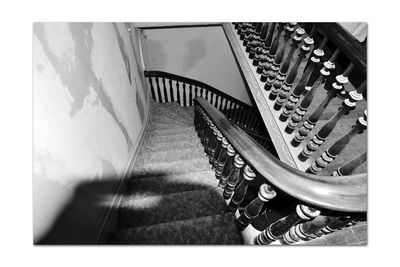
point(239, 133)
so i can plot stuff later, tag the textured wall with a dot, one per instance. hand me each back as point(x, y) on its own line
point(201, 53)
point(89, 110)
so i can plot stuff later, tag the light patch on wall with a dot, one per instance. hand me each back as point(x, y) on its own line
point(123, 52)
point(196, 52)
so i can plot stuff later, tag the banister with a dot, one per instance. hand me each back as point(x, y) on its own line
point(339, 193)
point(347, 43)
point(156, 73)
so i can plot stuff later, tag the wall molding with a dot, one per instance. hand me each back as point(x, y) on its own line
point(107, 220)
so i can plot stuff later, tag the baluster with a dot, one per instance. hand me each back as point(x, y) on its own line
point(249, 36)
point(312, 120)
point(258, 50)
point(223, 105)
point(305, 231)
point(171, 91)
point(245, 117)
point(184, 94)
point(218, 103)
point(152, 90)
point(213, 99)
point(349, 167)
point(272, 53)
point(230, 153)
point(178, 95)
point(217, 149)
point(297, 92)
point(206, 135)
point(287, 85)
point(234, 176)
point(273, 72)
point(244, 31)
point(338, 224)
point(213, 145)
point(266, 48)
point(332, 152)
point(306, 102)
point(158, 90)
point(277, 84)
point(164, 90)
point(255, 42)
point(221, 158)
point(252, 210)
point(241, 189)
point(276, 230)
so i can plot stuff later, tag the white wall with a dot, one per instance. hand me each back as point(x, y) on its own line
point(200, 53)
point(89, 110)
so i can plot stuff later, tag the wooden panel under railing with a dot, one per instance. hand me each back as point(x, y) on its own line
point(290, 207)
point(306, 99)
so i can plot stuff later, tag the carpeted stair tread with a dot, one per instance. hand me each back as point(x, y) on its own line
point(168, 168)
point(169, 156)
point(150, 146)
point(173, 111)
point(171, 207)
point(173, 138)
point(209, 230)
point(169, 131)
point(170, 184)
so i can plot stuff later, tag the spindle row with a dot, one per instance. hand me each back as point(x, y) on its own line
point(236, 177)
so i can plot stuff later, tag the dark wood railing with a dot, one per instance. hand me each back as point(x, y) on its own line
point(292, 94)
point(316, 205)
point(168, 87)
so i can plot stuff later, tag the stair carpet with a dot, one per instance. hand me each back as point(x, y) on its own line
point(172, 196)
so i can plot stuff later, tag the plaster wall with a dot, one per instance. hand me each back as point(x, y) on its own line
point(90, 106)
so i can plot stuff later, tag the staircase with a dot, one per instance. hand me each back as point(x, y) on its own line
point(172, 195)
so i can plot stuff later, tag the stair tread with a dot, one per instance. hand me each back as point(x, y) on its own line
point(150, 146)
point(173, 137)
point(170, 207)
point(170, 131)
point(208, 230)
point(169, 184)
point(170, 156)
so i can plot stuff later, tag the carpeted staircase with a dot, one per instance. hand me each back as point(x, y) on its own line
point(173, 196)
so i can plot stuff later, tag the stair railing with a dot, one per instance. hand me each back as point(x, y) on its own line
point(317, 205)
point(290, 104)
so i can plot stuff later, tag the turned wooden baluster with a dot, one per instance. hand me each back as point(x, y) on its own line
point(253, 209)
point(213, 145)
point(273, 72)
point(266, 47)
point(234, 176)
point(249, 36)
point(258, 51)
point(246, 27)
point(241, 189)
point(252, 46)
point(164, 90)
point(306, 102)
point(276, 230)
point(217, 150)
point(221, 158)
point(332, 152)
point(230, 153)
point(158, 90)
point(306, 231)
point(287, 85)
point(152, 90)
point(190, 95)
point(272, 52)
point(350, 167)
point(206, 135)
point(171, 91)
point(318, 139)
point(297, 92)
point(314, 117)
point(337, 225)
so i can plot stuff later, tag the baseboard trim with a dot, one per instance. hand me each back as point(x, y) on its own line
point(107, 219)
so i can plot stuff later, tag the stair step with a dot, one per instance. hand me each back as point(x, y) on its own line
point(174, 137)
point(150, 146)
point(168, 168)
point(170, 131)
point(171, 207)
point(169, 184)
point(170, 156)
point(209, 230)
point(171, 110)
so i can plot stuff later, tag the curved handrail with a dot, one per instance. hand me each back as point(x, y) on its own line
point(339, 193)
point(156, 73)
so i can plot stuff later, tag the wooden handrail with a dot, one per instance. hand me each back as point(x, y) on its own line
point(167, 75)
point(346, 42)
point(341, 193)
